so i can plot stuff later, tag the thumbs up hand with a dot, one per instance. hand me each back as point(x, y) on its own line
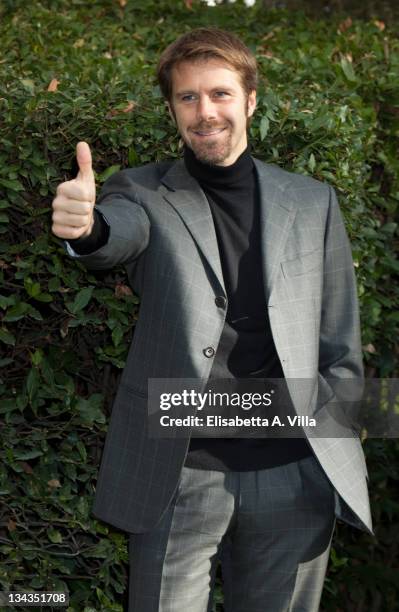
point(73, 206)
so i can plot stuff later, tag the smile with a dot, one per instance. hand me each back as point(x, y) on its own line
point(213, 133)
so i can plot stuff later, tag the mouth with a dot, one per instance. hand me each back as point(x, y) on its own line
point(207, 134)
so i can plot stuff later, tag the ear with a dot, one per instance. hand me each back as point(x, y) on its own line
point(251, 102)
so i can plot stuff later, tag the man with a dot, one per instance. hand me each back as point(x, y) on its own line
point(243, 270)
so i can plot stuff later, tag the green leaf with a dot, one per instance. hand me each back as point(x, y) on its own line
point(311, 162)
point(264, 127)
point(29, 85)
point(5, 302)
point(32, 383)
point(5, 362)
point(32, 288)
point(44, 297)
point(34, 314)
point(82, 450)
point(117, 334)
point(108, 172)
point(81, 300)
point(17, 312)
point(389, 228)
point(90, 409)
point(25, 456)
point(348, 69)
point(54, 535)
point(6, 337)
point(54, 284)
point(132, 157)
point(48, 373)
point(37, 357)
point(13, 185)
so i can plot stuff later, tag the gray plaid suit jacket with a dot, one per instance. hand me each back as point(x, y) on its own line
point(161, 229)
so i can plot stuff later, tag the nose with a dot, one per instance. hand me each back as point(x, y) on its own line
point(206, 109)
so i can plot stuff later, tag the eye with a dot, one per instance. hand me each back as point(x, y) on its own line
point(187, 97)
point(221, 94)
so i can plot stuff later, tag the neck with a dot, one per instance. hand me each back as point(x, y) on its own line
point(232, 175)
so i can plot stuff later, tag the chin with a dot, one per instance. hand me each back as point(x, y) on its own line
point(212, 160)
point(209, 155)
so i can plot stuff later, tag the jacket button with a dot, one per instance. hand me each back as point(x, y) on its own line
point(209, 351)
point(220, 301)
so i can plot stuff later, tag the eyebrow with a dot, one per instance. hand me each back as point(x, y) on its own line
point(220, 88)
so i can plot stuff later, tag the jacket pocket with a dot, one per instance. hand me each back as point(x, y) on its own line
point(304, 263)
point(133, 389)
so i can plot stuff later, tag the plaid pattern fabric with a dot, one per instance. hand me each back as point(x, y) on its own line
point(271, 529)
point(161, 228)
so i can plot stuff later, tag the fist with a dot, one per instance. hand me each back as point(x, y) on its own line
point(73, 206)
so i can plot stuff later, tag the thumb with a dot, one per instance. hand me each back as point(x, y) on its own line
point(83, 157)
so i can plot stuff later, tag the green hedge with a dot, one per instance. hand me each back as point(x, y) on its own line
point(328, 106)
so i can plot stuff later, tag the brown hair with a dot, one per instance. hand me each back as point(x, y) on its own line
point(204, 44)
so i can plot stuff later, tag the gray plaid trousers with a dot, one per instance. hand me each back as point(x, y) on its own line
point(271, 529)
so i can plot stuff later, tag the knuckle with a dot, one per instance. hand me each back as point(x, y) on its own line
point(56, 202)
point(76, 232)
point(61, 188)
point(58, 230)
point(85, 197)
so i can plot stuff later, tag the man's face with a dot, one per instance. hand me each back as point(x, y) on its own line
point(211, 110)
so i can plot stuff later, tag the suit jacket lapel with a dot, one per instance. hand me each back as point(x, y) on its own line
point(277, 214)
point(188, 199)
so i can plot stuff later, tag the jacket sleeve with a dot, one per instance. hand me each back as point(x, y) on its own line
point(98, 237)
point(128, 223)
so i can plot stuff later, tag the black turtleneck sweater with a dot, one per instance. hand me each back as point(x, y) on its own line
point(246, 348)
